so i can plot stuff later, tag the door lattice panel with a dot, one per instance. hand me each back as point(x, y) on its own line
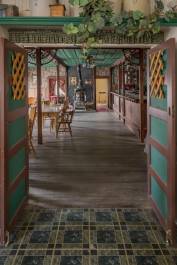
point(157, 79)
point(18, 76)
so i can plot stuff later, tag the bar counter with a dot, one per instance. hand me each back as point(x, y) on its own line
point(130, 111)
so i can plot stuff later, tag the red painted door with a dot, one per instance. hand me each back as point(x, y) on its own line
point(162, 135)
point(13, 135)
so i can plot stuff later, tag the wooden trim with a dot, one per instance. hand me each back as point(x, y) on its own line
point(67, 81)
point(17, 147)
point(170, 117)
point(5, 117)
point(157, 212)
point(15, 114)
point(22, 175)
point(102, 77)
point(94, 87)
point(18, 213)
point(141, 91)
point(158, 179)
point(162, 149)
point(58, 80)
point(123, 88)
point(3, 135)
point(109, 88)
point(27, 122)
point(39, 106)
point(163, 115)
point(172, 182)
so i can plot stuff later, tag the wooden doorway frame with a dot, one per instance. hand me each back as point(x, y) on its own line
point(6, 152)
point(109, 89)
point(168, 151)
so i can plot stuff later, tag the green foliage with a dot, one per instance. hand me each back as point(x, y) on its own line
point(98, 14)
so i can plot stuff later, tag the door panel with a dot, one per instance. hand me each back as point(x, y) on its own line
point(102, 86)
point(162, 135)
point(13, 136)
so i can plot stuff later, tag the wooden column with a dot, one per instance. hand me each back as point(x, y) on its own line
point(67, 81)
point(39, 105)
point(141, 95)
point(111, 89)
point(123, 90)
point(119, 88)
point(58, 82)
point(94, 87)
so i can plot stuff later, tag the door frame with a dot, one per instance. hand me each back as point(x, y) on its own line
point(109, 89)
point(5, 153)
point(170, 151)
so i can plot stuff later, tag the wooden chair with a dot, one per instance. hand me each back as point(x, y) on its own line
point(63, 122)
point(31, 120)
point(31, 101)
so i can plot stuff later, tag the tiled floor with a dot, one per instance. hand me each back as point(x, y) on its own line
point(87, 237)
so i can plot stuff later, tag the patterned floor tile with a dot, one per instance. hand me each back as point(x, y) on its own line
point(75, 217)
point(106, 237)
point(103, 217)
point(146, 260)
point(108, 258)
point(171, 260)
point(39, 237)
point(70, 260)
point(151, 217)
point(45, 217)
point(15, 240)
point(7, 260)
point(87, 237)
point(25, 218)
point(73, 237)
point(58, 257)
point(132, 217)
point(139, 237)
point(33, 260)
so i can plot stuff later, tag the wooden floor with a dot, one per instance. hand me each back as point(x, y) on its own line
point(102, 165)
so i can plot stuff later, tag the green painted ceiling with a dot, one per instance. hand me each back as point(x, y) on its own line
point(102, 57)
point(73, 57)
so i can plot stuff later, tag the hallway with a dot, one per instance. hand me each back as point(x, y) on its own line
point(102, 165)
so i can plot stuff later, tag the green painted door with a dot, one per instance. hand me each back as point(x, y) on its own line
point(162, 135)
point(13, 135)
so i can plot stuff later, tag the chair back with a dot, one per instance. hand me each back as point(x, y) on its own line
point(65, 116)
point(32, 116)
point(70, 116)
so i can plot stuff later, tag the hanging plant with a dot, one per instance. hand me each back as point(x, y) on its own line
point(98, 14)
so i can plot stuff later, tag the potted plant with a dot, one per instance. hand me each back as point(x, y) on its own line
point(57, 9)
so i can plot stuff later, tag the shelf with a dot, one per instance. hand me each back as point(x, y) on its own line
point(59, 21)
point(39, 21)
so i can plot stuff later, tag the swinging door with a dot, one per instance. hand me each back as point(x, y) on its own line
point(162, 135)
point(13, 135)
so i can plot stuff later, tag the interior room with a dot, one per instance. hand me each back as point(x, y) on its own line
point(88, 132)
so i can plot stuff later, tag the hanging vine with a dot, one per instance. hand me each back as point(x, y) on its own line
point(98, 14)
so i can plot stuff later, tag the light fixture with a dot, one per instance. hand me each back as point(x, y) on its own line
point(89, 62)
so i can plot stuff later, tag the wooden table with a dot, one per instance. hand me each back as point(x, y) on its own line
point(51, 112)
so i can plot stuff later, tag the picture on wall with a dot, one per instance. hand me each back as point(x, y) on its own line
point(73, 81)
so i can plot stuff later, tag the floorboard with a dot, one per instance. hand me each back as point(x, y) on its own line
point(102, 165)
